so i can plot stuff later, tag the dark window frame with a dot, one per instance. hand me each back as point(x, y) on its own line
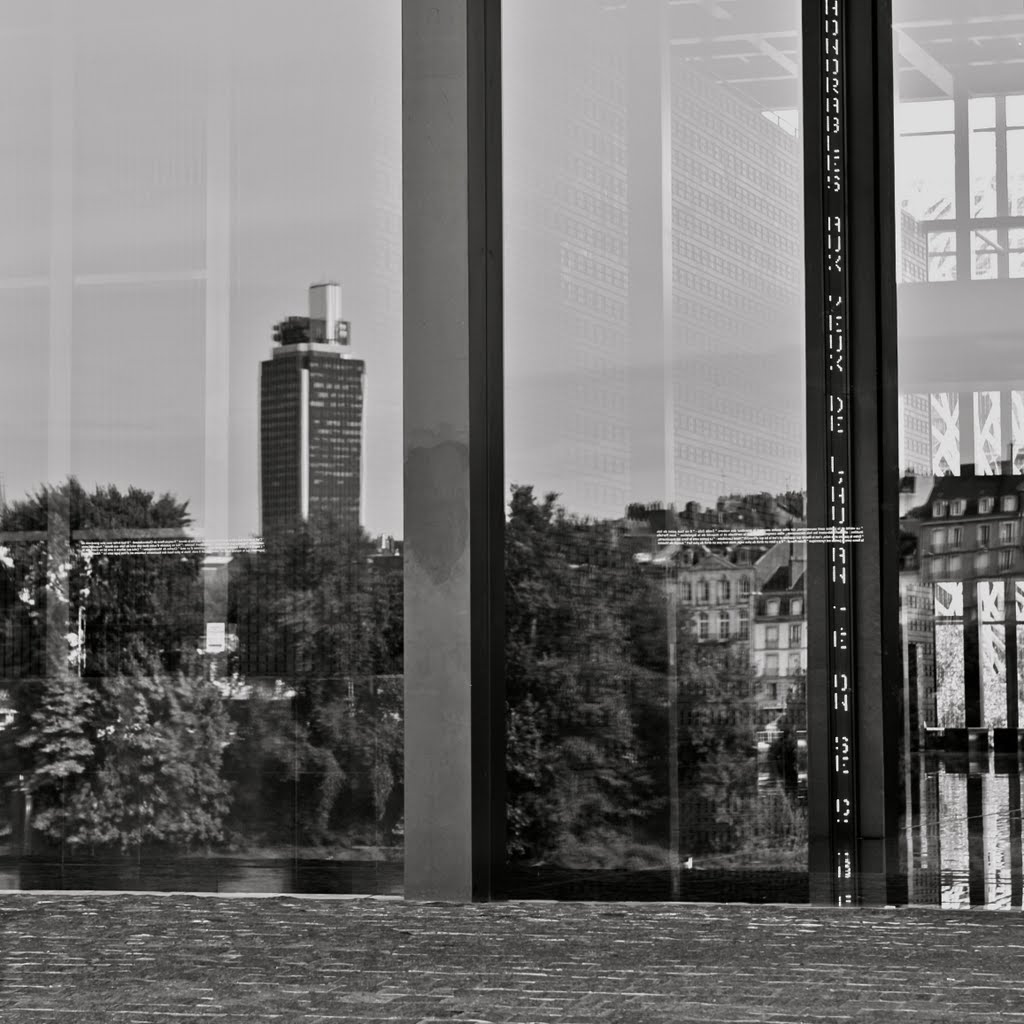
point(853, 641)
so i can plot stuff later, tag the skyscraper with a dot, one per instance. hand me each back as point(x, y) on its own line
point(729, 384)
point(311, 419)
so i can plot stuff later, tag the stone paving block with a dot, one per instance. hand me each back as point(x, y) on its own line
point(164, 959)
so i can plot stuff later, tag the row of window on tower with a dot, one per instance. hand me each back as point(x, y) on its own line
point(771, 638)
point(724, 591)
point(940, 509)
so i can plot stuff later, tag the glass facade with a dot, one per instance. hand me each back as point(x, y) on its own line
point(957, 102)
point(701, 575)
point(201, 576)
point(654, 381)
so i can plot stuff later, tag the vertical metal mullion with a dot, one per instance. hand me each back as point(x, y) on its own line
point(839, 608)
point(831, 721)
point(487, 447)
point(972, 667)
point(962, 183)
point(818, 790)
point(975, 840)
point(1016, 881)
point(876, 454)
point(1002, 190)
point(853, 716)
point(1012, 654)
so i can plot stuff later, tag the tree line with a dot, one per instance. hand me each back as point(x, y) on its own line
point(128, 735)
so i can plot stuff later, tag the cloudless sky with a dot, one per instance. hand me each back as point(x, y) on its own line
point(106, 114)
point(314, 187)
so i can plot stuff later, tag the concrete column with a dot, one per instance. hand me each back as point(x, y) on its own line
point(454, 487)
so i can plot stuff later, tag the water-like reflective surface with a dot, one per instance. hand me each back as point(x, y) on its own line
point(964, 840)
point(961, 447)
point(214, 874)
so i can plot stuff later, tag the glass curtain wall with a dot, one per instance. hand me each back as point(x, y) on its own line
point(656, 637)
point(200, 445)
point(960, 194)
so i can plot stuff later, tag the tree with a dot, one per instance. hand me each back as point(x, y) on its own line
point(588, 720)
point(718, 753)
point(134, 609)
point(118, 739)
point(56, 737)
point(150, 775)
point(316, 611)
point(577, 775)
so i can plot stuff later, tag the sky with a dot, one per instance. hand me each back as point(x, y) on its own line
point(304, 175)
point(185, 171)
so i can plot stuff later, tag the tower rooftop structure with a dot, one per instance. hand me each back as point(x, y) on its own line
point(324, 324)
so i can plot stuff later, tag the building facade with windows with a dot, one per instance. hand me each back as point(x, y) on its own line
point(716, 590)
point(311, 419)
point(779, 647)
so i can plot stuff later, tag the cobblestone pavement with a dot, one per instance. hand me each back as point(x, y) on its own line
point(138, 959)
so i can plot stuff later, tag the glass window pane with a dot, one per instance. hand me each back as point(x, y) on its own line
point(925, 179)
point(941, 256)
point(654, 382)
point(925, 116)
point(981, 113)
point(1015, 111)
point(1015, 172)
point(983, 174)
point(1016, 250)
point(200, 577)
point(961, 456)
point(24, 127)
point(986, 255)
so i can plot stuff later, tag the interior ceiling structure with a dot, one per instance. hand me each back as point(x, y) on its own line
point(973, 45)
point(754, 45)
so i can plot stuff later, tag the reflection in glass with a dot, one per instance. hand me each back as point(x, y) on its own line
point(195, 695)
point(959, 176)
point(654, 396)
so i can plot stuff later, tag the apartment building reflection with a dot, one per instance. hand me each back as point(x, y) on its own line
point(962, 593)
point(962, 617)
point(962, 612)
point(960, 183)
point(737, 597)
point(779, 655)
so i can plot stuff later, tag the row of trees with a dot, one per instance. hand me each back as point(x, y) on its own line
point(587, 663)
point(122, 734)
point(121, 737)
